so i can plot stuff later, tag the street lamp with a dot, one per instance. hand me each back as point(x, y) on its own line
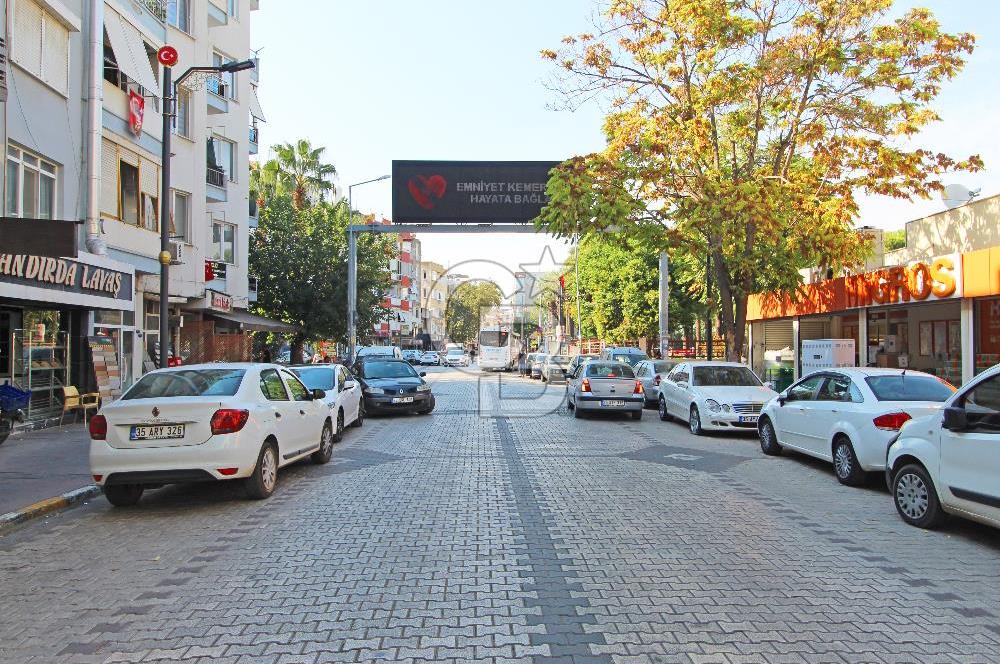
point(352, 270)
point(168, 58)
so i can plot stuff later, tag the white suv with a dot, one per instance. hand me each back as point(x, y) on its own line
point(949, 463)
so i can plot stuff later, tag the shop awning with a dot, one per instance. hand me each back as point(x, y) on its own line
point(130, 52)
point(255, 109)
point(253, 322)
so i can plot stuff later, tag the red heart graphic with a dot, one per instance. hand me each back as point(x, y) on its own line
point(422, 188)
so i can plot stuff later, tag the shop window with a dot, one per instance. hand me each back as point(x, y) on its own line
point(31, 185)
point(987, 334)
point(128, 193)
point(224, 242)
point(41, 45)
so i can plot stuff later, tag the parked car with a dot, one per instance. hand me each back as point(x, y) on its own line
point(577, 361)
point(603, 386)
point(948, 462)
point(203, 422)
point(392, 386)
point(537, 364)
point(627, 354)
point(412, 356)
point(456, 357)
point(343, 394)
point(710, 395)
point(379, 351)
point(848, 416)
point(555, 368)
point(650, 373)
point(431, 358)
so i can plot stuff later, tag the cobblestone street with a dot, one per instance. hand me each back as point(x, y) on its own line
point(500, 528)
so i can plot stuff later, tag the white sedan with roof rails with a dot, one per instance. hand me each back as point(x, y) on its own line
point(849, 415)
point(222, 421)
point(708, 395)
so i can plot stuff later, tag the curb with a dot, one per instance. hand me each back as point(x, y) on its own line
point(47, 506)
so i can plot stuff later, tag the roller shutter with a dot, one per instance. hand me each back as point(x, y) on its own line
point(777, 334)
point(109, 179)
point(27, 38)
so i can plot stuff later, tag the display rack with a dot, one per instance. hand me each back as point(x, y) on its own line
point(41, 364)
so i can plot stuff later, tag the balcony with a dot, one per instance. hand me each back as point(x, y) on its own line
point(255, 72)
point(252, 289)
point(215, 192)
point(254, 214)
point(217, 95)
point(254, 138)
point(158, 8)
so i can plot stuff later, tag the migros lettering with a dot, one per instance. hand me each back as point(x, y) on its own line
point(915, 282)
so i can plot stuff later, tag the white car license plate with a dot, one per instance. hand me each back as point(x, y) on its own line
point(402, 399)
point(156, 431)
point(748, 419)
point(611, 403)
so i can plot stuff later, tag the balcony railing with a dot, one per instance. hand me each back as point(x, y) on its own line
point(157, 8)
point(254, 134)
point(216, 85)
point(215, 177)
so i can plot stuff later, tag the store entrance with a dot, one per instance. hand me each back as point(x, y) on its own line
point(10, 320)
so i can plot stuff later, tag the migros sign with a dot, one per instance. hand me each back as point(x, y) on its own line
point(936, 279)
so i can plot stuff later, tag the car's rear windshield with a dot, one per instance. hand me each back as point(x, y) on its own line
point(631, 359)
point(318, 378)
point(381, 369)
point(724, 376)
point(609, 370)
point(187, 383)
point(909, 388)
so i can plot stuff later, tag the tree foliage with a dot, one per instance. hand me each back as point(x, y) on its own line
point(745, 129)
point(465, 308)
point(298, 170)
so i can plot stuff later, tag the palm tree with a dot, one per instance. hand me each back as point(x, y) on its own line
point(301, 172)
point(264, 183)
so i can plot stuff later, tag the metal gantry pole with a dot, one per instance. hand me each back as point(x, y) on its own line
point(664, 306)
point(579, 319)
point(352, 281)
point(168, 99)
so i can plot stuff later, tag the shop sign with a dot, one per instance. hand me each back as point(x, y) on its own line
point(936, 279)
point(66, 275)
point(220, 301)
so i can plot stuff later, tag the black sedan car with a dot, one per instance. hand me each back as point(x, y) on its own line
point(392, 386)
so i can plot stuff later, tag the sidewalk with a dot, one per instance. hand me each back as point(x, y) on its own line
point(36, 465)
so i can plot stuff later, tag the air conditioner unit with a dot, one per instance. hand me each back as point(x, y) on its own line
point(177, 251)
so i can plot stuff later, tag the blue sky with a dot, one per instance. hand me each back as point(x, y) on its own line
point(462, 79)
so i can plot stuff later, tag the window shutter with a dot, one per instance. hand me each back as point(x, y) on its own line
point(55, 55)
point(109, 178)
point(150, 178)
point(28, 36)
point(128, 156)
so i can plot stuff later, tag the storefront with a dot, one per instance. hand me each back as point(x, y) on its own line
point(48, 309)
point(940, 315)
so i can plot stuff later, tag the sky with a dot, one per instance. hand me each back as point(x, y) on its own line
point(460, 79)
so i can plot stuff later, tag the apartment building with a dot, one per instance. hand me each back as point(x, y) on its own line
point(402, 324)
point(82, 130)
point(434, 302)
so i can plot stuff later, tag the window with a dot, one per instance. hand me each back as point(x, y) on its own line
point(805, 390)
point(182, 123)
point(234, 8)
point(609, 370)
point(180, 215)
point(295, 386)
point(912, 387)
point(225, 84)
point(271, 386)
point(222, 157)
point(128, 193)
point(317, 378)
point(179, 14)
point(982, 405)
point(31, 185)
point(41, 45)
point(838, 388)
point(187, 383)
point(223, 242)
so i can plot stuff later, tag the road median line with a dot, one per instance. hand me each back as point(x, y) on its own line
point(47, 506)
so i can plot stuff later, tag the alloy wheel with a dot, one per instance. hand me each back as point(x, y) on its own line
point(694, 422)
point(269, 469)
point(843, 461)
point(327, 443)
point(912, 496)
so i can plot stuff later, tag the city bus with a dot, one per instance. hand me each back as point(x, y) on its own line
point(499, 347)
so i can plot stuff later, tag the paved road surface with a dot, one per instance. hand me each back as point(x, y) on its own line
point(500, 528)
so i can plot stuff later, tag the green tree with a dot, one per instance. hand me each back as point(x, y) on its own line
point(299, 170)
point(465, 307)
point(744, 129)
point(299, 257)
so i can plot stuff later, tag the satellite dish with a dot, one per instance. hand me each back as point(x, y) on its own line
point(955, 195)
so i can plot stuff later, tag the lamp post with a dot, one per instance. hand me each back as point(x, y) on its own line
point(352, 270)
point(168, 58)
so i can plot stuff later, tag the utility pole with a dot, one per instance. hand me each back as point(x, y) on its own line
point(664, 306)
point(168, 113)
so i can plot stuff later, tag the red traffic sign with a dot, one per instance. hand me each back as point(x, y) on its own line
point(167, 56)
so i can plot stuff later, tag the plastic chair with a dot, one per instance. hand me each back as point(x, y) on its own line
point(74, 401)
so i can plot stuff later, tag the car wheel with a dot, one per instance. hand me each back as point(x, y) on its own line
point(577, 413)
point(325, 451)
point(768, 439)
point(694, 422)
point(123, 495)
point(636, 414)
point(360, 420)
point(845, 463)
point(265, 474)
point(428, 410)
point(338, 435)
point(916, 498)
point(661, 407)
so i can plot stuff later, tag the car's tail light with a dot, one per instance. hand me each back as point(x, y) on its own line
point(585, 385)
point(227, 471)
point(638, 387)
point(656, 380)
point(98, 478)
point(98, 427)
point(892, 421)
point(229, 420)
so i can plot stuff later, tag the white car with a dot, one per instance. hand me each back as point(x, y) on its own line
point(431, 357)
point(343, 394)
point(949, 462)
point(456, 358)
point(223, 421)
point(848, 416)
point(720, 396)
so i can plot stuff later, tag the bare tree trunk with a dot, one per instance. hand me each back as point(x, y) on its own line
point(727, 324)
point(295, 357)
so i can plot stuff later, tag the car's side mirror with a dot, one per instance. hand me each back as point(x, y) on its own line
point(955, 419)
point(350, 384)
point(423, 373)
point(769, 385)
point(318, 394)
point(782, 399)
